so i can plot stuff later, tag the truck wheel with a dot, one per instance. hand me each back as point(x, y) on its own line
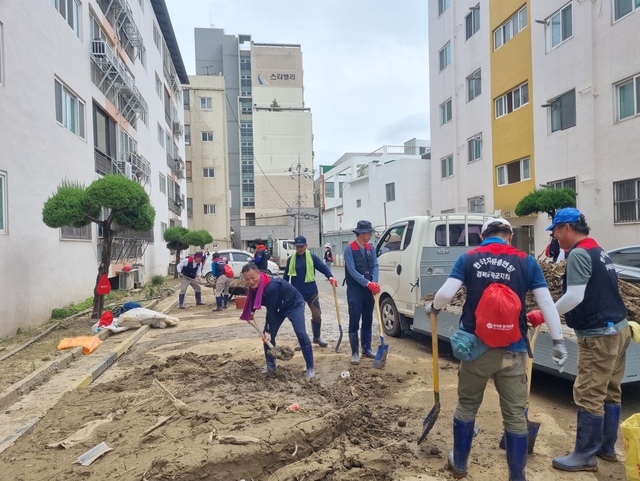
point(390, 318)
point(209, 278)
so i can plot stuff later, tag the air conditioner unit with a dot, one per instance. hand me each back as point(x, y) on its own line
point(98, 48)
point(137, 276)
point(125, 169)
point(125, 281)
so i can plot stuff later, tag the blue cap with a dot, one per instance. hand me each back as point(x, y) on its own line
point(565, 216)
point(363, 227)
point(300, 241)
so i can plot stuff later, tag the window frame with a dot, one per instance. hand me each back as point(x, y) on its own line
point(473, 200)
point(206, 136)
point(66, 101)
point(209, 209)
point(443, 5)
point(207, 102)
point(507, 100)
point(556, 111)
point(390, 191)
point(187, 134)
point(162, 183)
point(475, 81)
point(472, 21)
point(446, 167)
point(518, 17)
point(505, 172)
point(444, 56)
point(74, 23)
point(635, 83)
point(618, 203)
point(208, 172)
point(446, 107)
point(549, 27)
point(358, 203)
point(635, 5)
point(471, 148)
point(76, 233)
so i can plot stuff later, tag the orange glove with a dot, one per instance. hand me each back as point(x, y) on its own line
point(535, 318)
point(374, 287)
point(333, 281)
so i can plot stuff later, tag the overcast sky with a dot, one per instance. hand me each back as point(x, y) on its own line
point(365, 62)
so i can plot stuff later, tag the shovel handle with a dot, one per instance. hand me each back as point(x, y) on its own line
point(262, 334)
point(335, 298)
point(376, 297)
point(434, 355)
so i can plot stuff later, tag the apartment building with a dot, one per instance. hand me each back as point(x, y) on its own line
point(381, 186)
point(552, 89)
point(207, 164)
point(86, 89)
point(269, 135)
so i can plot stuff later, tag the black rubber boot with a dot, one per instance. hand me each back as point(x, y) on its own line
point(459, 456)
point(355, 355)
point(271, 361)
point(517, 446)
point(307, 353)
point(317, 339)
point(610, 432)
point(366, 345)
point(226, 302)
point(588, 443)
point(199, 299)
point(181, 302)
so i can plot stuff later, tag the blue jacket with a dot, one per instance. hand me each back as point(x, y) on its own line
point(305, 288)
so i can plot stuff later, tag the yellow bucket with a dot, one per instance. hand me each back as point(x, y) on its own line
point(631, 434)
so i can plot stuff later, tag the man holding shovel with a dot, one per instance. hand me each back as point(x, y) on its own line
point(281, 300)
point(301, 269)
point(493, 323)
point(361, 276)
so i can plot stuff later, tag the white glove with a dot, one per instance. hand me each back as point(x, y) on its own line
point(559, 353)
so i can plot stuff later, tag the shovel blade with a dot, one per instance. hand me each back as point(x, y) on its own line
point(429, 422)
point(381, 356)
point(339, 339)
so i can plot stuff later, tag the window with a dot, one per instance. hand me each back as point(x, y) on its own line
point(158, 86)
point(445, 56)
point(474, 85)
point(475, 204)
point(457, 233)
point(142, 55)
point(626, 201)
point(568, 183)
point(3, 203)
point(447, 166)
point(622, 8)
point(188, 170)
point(206, 103)
point(163, 227)
point(76, 233)
point(512, 100)
point(329, 189)
point(474, 145)
point(70, 11)
point(208, 172)
point(563, 111)
point(209, 208)
point(559, 27)
point(390, 191)
point(156, 38)
point(187, 134)
point(473, 21)
point(514, 172)
point(186, 100)
point(509, 29)
point(189, 207)
point(69, 110)
point(443, 5)
point(628, 94)
point(163, 184)
point(392, 240)
point(358, 203)
point(446, 112)
point(207, 136)
point(160, 135)
point(250, 219)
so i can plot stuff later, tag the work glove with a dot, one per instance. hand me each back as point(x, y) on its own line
point(432, 310)
point(374, 287)
point(559, 353)
point(635, 331)
point(333, 281)
point(535, 318)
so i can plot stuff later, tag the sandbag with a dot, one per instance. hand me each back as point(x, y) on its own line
point(88, 343)
point(142, 316)
point(631, 434)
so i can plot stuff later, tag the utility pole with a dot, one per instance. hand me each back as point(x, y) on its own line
point(298, 171)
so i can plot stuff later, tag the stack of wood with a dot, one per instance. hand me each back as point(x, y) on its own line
point(553, 273)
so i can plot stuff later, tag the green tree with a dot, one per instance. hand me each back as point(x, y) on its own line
point(546, 200)
point(126, 206)
point(180, 238)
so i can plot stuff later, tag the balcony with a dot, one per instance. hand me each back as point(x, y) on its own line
point(176, 204)
point(141, 166)
point(177, 129)
point(135, 168)
point(120, 15)
point(117, 77)
point(176, 165)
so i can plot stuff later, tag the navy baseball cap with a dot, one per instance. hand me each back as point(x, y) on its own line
point(300, 241)
point(565, 216)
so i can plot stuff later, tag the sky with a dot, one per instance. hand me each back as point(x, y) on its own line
point(366, 75)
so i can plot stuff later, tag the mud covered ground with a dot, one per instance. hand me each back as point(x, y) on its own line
point(237, 424)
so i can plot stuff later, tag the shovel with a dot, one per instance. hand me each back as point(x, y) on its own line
point(431, 418)
point(532, 426)
point(335, 298)
point(279, 352)
point(383, 349)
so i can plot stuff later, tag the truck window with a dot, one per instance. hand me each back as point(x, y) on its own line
point(457, 235)
point(408, 234)
point(392, 240)
point(288, 246)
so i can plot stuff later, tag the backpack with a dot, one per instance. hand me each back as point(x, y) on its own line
point(228, 271)
point(498, 316)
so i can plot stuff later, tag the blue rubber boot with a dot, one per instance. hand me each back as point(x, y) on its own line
point(517, 446)
point(610, 432)
point(226, 302)
point(307, 353)
point(181, 303)
point(459, 455)
point(366, 345)
point(355, 354)
point(588, 443)
point(218, 303)
point(199, 299)
point(271, 361)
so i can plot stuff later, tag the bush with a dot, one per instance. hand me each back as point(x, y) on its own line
point(71, 309)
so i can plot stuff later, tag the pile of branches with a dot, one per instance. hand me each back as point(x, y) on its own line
point(553, 273)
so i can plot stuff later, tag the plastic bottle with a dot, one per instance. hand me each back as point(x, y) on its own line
point(610, 330)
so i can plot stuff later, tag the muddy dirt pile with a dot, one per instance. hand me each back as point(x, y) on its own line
point(553, 273)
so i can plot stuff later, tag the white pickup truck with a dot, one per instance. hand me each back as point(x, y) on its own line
point(416, 255)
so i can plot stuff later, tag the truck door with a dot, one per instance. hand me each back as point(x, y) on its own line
point(389, 250)
point(286, 249)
